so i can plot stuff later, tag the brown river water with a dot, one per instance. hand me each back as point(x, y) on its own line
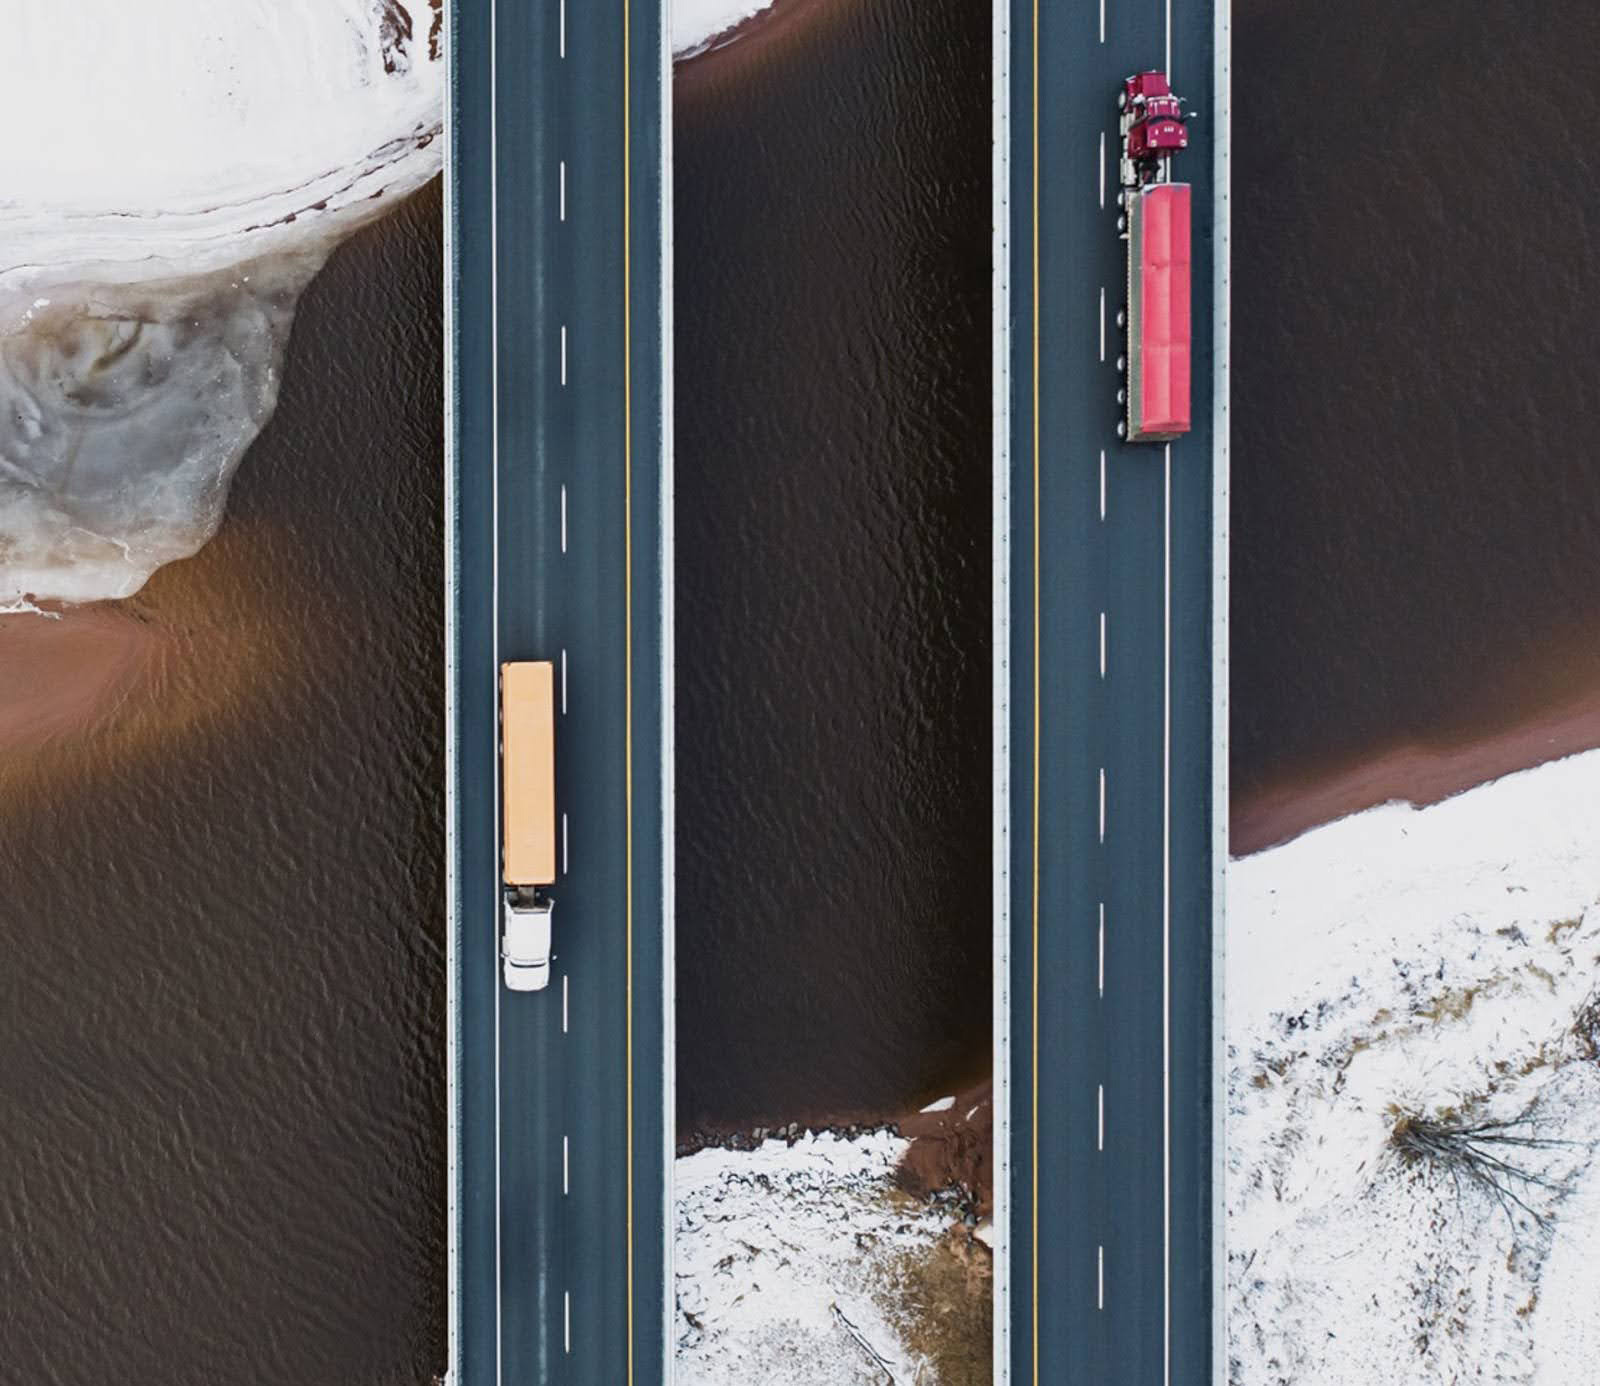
point(831, 246)
point(1416, 505)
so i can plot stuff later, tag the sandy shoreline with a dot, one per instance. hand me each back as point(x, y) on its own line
point(1413, 774)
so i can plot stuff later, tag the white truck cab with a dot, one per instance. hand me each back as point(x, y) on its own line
point(525, 944)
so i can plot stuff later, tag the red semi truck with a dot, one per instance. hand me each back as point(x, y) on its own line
point(1155, 224)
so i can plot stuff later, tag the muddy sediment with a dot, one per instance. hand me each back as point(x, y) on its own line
point(61, 670)
point(953, 1151)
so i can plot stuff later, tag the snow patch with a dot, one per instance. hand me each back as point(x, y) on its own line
point(780, 1256)
point(697, 24)
point(944, 1104)
point(1415, 963)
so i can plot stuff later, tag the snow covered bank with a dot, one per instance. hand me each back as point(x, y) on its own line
point(696, 24)
point(198, 164)
point(802, 1264)
point(1399, 966)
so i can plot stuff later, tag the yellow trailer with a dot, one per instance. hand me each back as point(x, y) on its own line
point(528, 761)
point(528, 808)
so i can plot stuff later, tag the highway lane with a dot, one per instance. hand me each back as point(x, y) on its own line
point(1111, 742)
point(557, 333)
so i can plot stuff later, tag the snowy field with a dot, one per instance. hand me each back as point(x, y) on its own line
point(793, 1264)
point(1420, 972)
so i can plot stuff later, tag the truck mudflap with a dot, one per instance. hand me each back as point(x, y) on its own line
point(1158, 313)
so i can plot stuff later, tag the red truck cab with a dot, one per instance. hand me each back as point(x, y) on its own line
point(1150, 119)
point(1151, 138)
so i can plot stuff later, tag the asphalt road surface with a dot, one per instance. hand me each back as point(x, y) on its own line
point(557, 331)
point(1111, 744)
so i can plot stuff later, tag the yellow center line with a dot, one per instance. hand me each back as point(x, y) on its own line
point(627, 546)
point(1034, 1068)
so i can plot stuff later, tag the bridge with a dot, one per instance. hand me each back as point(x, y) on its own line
point(1110, 706)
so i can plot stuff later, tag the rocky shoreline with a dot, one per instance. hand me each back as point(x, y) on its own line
point(790, 1133)
point(949, 1161)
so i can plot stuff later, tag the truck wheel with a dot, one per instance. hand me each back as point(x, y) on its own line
point(1122, 428)
point(1122, 99)
point(1122, 317)
point(1122, 224)
point(1122, 365)
point(1122, 397)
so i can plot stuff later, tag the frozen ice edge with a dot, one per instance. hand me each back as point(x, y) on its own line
point(250, 139)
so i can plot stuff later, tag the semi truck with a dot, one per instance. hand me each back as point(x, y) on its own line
point(528, 799)
point(1154, 221)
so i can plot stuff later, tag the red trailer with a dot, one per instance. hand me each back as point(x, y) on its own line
point(1157, 320)
point(1155, 224)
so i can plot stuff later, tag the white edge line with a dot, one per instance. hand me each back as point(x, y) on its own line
point(1222, 104)
point(452, 728)
point(494, 433)
point(1166, 918)
point(669, 1046)
point(495, 602)
point(1001, 660)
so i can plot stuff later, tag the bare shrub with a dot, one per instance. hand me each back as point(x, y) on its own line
point(1492, 1156)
